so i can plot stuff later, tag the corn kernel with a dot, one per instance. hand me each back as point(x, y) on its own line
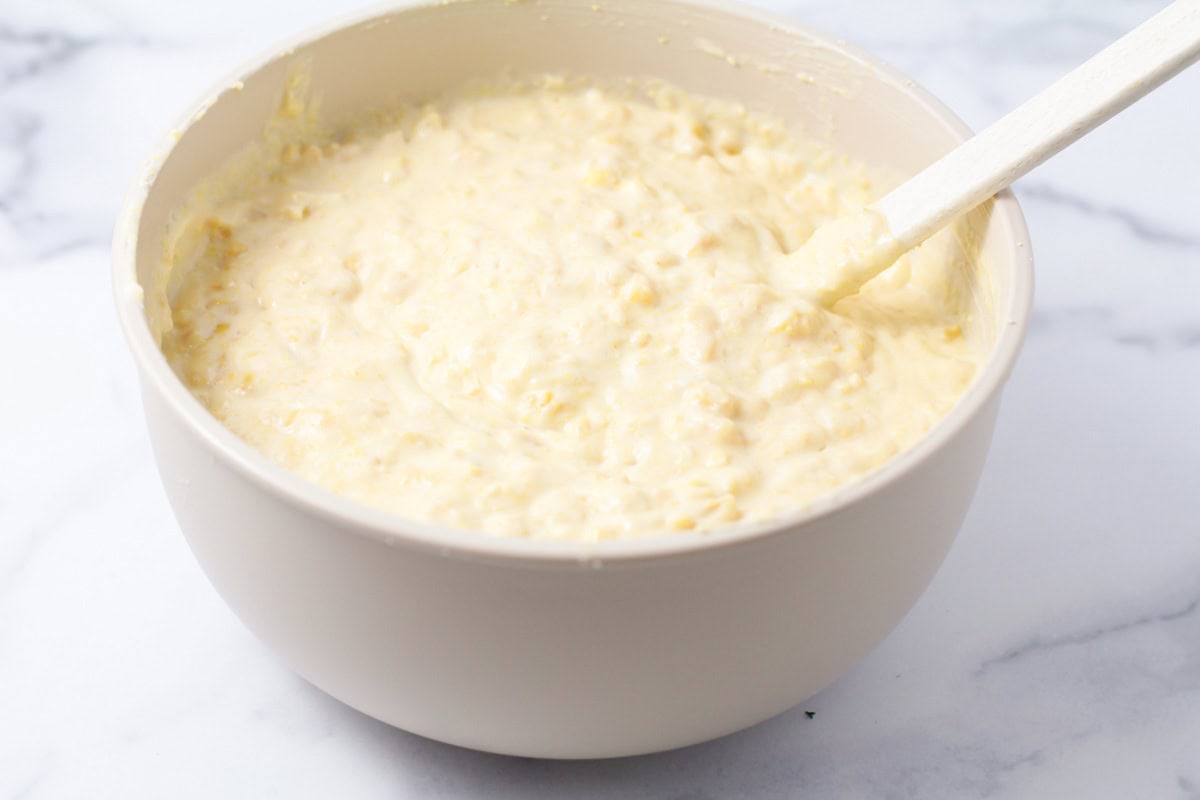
point(638, 291)
point(600, 177)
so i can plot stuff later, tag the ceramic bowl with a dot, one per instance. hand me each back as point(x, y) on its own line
point(546, 648)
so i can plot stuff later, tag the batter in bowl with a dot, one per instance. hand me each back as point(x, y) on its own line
point(560, 310)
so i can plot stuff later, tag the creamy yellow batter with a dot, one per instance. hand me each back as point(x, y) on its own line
point(557, 310)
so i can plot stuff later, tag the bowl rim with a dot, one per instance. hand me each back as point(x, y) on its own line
point(396, 530)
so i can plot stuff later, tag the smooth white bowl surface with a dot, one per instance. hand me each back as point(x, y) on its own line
point(547, 648)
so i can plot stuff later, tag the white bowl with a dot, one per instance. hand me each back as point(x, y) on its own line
point(550, 649)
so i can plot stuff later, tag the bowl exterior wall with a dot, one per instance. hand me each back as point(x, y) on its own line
point(567, 661)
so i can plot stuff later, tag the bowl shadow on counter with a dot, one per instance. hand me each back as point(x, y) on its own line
point(779, 752)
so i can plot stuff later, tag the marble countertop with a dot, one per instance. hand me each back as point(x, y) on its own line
point(1057, 654)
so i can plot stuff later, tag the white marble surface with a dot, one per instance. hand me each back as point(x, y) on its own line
point(1057, 654)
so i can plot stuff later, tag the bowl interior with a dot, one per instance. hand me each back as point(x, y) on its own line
point(827, 89)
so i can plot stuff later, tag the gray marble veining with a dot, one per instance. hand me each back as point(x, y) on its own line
point(1057, 654)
